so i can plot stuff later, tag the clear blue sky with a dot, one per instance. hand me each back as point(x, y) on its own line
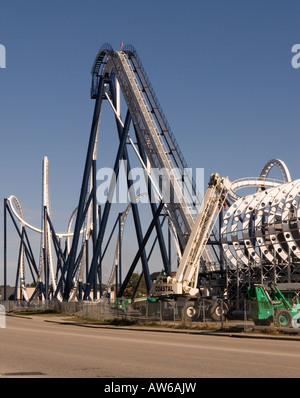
point(220, 69)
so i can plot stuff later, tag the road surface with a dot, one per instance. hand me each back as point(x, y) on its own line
point(32, 347)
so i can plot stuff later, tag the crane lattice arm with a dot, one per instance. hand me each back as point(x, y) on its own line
point(185, 281)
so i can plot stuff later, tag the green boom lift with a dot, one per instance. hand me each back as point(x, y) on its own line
point(271, 305)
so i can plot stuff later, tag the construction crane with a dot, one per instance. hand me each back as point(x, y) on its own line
point(185, 282)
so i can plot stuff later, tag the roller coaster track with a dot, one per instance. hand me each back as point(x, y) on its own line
point(155, 135)
point(46, 238)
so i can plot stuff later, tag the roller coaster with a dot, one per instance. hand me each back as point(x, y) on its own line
point(257, 238)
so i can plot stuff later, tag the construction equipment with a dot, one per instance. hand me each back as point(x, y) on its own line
point(185, 282)
point(269, 305)
point(120, 303)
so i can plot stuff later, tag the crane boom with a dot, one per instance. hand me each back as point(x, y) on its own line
point(186, 278)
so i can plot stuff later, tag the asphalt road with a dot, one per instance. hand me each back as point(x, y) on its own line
point(38, 349)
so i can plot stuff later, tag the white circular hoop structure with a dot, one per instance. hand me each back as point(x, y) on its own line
point(264, 226)
point(280, 165)
point(261, 182)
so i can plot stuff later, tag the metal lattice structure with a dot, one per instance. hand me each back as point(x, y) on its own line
point(260, 232)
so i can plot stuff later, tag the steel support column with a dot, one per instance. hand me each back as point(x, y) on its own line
point(5, 249)
point(86, 176)
point(102, 227)
point(161, 242)
point(140, 251)
point(135, 211)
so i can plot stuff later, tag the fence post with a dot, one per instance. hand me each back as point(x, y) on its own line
point(245, 314)
point(147, 311)
point(174, 307)
point(222, 309)
point(2, 317)
point(160, 312)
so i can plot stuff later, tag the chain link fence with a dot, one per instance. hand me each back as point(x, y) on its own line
point(143, 311)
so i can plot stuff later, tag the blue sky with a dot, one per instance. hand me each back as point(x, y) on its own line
point(221, 70)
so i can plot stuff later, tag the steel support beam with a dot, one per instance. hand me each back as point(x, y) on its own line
point(135, 211)
point(84, 187)
point(139, 253)
point(161, 241)
point(104, 219)
point(5, 249)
